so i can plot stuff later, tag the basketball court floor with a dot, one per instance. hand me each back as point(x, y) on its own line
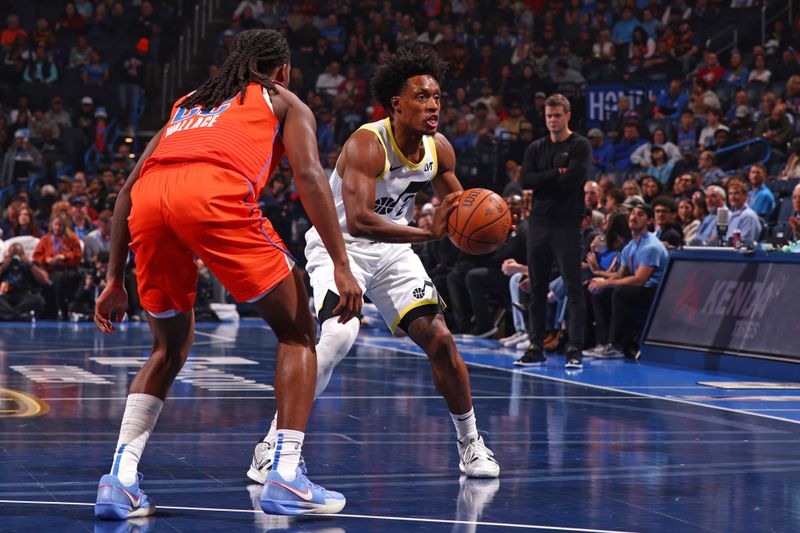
point(617, 446)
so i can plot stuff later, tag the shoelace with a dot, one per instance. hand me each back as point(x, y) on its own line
point(477, 449)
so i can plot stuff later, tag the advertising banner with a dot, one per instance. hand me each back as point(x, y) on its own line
point(746, 307)
point(601, 99)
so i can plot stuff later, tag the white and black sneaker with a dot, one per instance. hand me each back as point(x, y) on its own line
point(574, 358)
point(476, 460)
point(263, 457)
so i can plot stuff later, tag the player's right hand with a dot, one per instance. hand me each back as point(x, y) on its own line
point(350, 295)
point(439, 226)
point(110, 307)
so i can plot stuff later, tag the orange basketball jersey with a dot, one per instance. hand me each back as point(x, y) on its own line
point(244, 138)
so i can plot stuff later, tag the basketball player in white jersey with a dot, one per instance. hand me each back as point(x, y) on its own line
point(382, 167)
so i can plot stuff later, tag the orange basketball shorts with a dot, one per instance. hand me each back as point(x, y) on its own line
point(198, 210)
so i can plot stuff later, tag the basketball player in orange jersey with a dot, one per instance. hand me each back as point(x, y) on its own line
point(194, 193)
point(382, 167)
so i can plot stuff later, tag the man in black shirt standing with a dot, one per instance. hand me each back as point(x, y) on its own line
point(555, 167)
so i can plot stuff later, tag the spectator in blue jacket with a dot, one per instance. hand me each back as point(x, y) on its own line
point(629, 143)
point(672, 102)
point(760, 198)
point(602, 152)
point(623, 29)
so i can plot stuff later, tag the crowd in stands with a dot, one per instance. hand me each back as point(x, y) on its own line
point(68, 75)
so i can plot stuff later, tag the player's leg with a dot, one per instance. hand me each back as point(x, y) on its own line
point(451, 379)
point(287, 490)
point(334, 343)
point(167, 278)
point(408, 301)
point(119, 496)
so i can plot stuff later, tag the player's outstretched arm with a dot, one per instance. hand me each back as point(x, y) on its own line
point(110, 306)
point(362, 162)
point(300, 141)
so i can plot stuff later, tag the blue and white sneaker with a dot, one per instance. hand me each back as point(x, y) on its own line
point(116, 501)
point(299, 496)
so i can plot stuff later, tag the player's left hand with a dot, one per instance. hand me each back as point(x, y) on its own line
point(110, 307)
point(350, 295)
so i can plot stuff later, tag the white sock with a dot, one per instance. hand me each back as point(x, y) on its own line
point(466, 429)
point(287, 452)
point(272, 432)
point(141, 414)
point(335, 341)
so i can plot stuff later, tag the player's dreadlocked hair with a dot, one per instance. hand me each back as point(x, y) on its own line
point(391, 76)
point(255, 53)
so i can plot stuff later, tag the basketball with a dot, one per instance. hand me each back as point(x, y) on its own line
point(481, 222)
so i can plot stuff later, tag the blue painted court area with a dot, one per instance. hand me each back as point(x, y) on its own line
point(617, 446)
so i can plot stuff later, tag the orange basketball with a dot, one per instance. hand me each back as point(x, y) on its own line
point(481, 222)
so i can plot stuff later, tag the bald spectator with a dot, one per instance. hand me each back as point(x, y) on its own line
point(715, 198)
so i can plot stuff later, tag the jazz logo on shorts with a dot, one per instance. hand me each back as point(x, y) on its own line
point(189, 119)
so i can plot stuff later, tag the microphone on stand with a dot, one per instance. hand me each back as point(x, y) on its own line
point(723, 217)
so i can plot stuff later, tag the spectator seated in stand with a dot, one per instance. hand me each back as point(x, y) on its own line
point(742, 219)
point(621, 301)
point(760, 198)
point(20, 283)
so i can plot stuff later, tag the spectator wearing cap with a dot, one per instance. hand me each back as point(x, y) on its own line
point(58, 114)
point(760, 198)
point(20, 161)
point(602, 152)
point(80, 222)
point(622, 300)
point(742, 217)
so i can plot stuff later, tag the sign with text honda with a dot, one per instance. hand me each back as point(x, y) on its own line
point(745, 307)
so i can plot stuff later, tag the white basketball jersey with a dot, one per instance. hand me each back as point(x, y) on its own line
point(396, 187)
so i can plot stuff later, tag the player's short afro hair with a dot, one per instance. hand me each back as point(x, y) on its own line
point(391, 76)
